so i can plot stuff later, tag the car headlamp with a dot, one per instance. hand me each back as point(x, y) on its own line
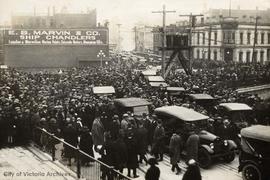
point(225, 143)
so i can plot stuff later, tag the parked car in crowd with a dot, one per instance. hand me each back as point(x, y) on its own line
point(176, 91)
point(137, 106)
point(254, 158)
point(103, 90)
point(183, 120)
point(239, 113)
point(205, 100)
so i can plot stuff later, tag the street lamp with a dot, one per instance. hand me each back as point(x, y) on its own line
point(101, 55)
point(118, 58)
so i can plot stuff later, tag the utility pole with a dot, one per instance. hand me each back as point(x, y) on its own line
point(135, 38)
point(230, 9)
point(209, 42)
point(163, 36)
point(255, 39)
point(119, 38)
point(192, 21)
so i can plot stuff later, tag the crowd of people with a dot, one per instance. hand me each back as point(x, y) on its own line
point(62, 102)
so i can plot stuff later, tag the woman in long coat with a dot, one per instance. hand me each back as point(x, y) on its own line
point(192, 147)
point(97, 133)
point(175, 151)
point(142, 142)
point(71, 137)
point(131, 143)
point(121, 156)
point(86, 145)
point(158, 142)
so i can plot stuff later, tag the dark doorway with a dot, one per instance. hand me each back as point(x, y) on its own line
point(228, 54)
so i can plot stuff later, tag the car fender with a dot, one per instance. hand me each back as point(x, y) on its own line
point(206, 147)
point(232, 145)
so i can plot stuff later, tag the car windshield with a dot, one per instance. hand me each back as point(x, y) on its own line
point(196, 125)
point(242, 116)
point(261, 147)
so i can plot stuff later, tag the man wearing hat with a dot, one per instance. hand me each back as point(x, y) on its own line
point(124, 122)
point(193, 171)
point(175, 147)
point(153, 173)
point(158, 141)
point(115, 126)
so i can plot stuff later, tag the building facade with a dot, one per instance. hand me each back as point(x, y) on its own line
point(226, 35)
point(57, 40)
point(143, 39)
point(233, 38)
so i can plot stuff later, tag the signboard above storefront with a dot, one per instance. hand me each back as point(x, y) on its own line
point(57, 37)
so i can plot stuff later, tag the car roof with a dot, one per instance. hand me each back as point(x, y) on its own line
point(157, 84)
point(155, 79)
point(236, 106)
point(149, 73)
point(103, 90)
point(182, 113)
point(201, 96)
point(259, 132)
point(175, 89)
point(132, 102)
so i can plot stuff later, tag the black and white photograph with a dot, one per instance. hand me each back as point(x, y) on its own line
point(135, 90)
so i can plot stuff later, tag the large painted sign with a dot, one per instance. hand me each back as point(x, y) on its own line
point(57, 37)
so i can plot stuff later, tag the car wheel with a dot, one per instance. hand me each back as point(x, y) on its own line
point(204, 158)
point(251, 172)
point(230, 157)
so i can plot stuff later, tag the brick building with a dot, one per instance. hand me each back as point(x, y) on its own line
point(57, 40)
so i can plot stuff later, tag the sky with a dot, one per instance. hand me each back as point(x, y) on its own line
point(125, 12)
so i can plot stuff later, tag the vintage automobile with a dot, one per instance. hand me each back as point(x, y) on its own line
point(205, 100)
point(176, 91)
point(103, 90)
point(239, 114)
point(137, 106)
point(180, 119)
point(254, 158)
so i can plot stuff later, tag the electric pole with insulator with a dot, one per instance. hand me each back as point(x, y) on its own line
point(192, 22)
point(163, 37)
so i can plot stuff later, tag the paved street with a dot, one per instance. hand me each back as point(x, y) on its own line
point(28, 163)
point(221, 170)
point(31, 163)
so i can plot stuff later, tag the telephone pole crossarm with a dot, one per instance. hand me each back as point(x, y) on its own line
point(164, 12)
point(192, 21)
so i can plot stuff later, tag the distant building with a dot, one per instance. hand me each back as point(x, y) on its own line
point(232, 35)
point(57, 40)
point(56, 20)
point(143, 39)
point(2, 30)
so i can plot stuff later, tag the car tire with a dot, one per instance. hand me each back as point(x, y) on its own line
point(229, 158)
point(251, 172)
point(204, 158)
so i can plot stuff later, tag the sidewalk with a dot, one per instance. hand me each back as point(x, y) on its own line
point(30, 164)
